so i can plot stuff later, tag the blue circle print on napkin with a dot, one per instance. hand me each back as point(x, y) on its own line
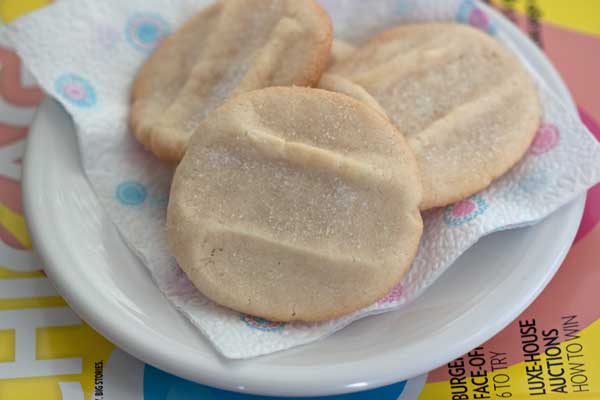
point(465, 211)
point(145, 30)
point(75, 90)
point(131, 193)
point(262, 324)
point(469, 13)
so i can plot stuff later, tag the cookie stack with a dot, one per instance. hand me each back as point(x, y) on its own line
point(304, 163)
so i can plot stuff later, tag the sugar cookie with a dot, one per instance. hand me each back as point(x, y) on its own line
point(295, 204)
point(465, 103)
point(231, 47)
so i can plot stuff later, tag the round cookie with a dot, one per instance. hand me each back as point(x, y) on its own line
point(295, 204)
point(465, 103)
point(339, 84)
point(229, 48)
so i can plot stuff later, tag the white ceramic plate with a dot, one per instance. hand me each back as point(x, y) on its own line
point(105, 283)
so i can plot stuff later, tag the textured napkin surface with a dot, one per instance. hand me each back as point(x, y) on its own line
point(85, 53)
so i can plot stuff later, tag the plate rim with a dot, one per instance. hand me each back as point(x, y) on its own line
point(145, 349)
